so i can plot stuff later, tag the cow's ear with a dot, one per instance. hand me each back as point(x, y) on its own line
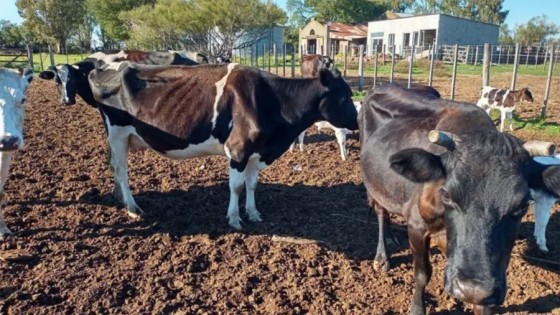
point(551, 179)
point(418, 165)
point(47, 75)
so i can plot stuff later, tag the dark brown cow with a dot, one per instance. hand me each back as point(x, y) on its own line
point(504, 101)
point(312, 64)
point(466, 187)
point(248, 115)
point(72, 79)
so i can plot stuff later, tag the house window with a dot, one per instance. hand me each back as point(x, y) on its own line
point(391, 40)
point(376, 42)
point(312, 32)
point(377, 35)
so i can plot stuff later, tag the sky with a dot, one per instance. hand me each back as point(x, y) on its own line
point(520, 11)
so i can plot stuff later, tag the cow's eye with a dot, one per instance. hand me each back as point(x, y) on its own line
point(445, 198)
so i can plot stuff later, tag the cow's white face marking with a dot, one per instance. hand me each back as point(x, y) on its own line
point(113, 66)
point(220, 85)
point(12, 106)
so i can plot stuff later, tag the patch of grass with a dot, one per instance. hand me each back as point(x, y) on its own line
point(358, 95)
point(547, 129)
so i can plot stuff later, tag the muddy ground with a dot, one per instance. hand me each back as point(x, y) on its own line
point(89, 257)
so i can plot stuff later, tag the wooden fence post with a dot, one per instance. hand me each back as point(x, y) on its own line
point(30, 56)
point(294, 62)
point(375, 67)
point(41, 58)
point(515, 66)
point(51, 56)
point(345, 60)
point(410, 66)
point(432, 61)
point(361, 69)
point(548, 81)
point(284, 60)
point(476, 56)
point(486, 66)
point(454, 78)
point(392, 63)
point(275, 57)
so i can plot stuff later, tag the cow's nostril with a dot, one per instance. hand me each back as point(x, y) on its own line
point(473, 292)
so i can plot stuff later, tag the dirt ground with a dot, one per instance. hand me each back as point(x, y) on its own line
point(89, 257)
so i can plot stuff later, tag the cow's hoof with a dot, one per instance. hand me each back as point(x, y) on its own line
point(235, 223)
point(5, 232)
point(254, 216)
point(380, 265)
point(417, 309)
point(135, 213)
point(543, 248)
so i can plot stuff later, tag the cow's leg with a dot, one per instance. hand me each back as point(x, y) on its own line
point(300, 140)
point(251, 179)
point(6, 160)
point(420, 245)
point(543, 205)
point(502, 119)
point(118, 144)
point(340, 135)
point(510, 117)
point(236, 180)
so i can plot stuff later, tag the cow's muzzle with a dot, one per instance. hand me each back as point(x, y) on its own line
point(9, 143)
point(474, 292)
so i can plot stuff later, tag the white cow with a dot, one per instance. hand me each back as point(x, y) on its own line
point(13, 86)
point(339, 133)
point(543, 205)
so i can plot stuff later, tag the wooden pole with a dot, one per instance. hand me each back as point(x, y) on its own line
point(432, 61)
point(294, 62)
point(41, 58)
point(411, 66)
point(515, 66)
point(275, 57)
point(51, 55)
point(392, 63)
point(476, 55)
point(375, 67)
point(30, 56)
point(361, 69)
point(548, 82)
point(545, 57)
point(486, 66)
point(346, 59)
point(284, 60)
point(269, 58)
point(454, 78)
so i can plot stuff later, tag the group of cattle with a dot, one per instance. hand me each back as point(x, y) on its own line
point(440, 164)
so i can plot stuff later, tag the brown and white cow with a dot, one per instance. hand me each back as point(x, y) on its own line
point(72, 79)
point(13, 86)
point(312, 64)
point(248, 115)
point(456, 180)
point(504, 101)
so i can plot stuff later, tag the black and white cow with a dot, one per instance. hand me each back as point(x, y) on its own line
point(248, 115)
point(72, 79)
point(13, 86)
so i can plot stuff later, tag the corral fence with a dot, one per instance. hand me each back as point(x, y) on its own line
point(394, 60)
point(16, 57)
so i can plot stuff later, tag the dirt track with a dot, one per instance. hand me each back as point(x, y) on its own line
point(90, 257)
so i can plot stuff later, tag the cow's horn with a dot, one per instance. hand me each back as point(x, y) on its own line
point(540, 148)
point(443, 138)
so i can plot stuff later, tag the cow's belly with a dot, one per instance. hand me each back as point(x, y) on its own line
point(209, 147)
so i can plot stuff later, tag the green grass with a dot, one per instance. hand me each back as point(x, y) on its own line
point(546, 129)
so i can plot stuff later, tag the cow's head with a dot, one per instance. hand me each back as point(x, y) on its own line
point(485, 180)
point(13, 86)
point(336, 105)
point(326, 62)
point(526, 95)
point(66, 77)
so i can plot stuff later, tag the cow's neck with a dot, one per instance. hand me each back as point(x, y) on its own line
point(82, 83)
point(299, 101)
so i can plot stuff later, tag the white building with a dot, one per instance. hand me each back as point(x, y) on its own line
point(403, 31)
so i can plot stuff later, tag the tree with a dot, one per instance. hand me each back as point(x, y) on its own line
point(347, 11)
point(51, 21)
point(107, 13)
point(299, 14)
point(506, 36)
point(537, 30)
point(10, 34)
point(488, 11)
